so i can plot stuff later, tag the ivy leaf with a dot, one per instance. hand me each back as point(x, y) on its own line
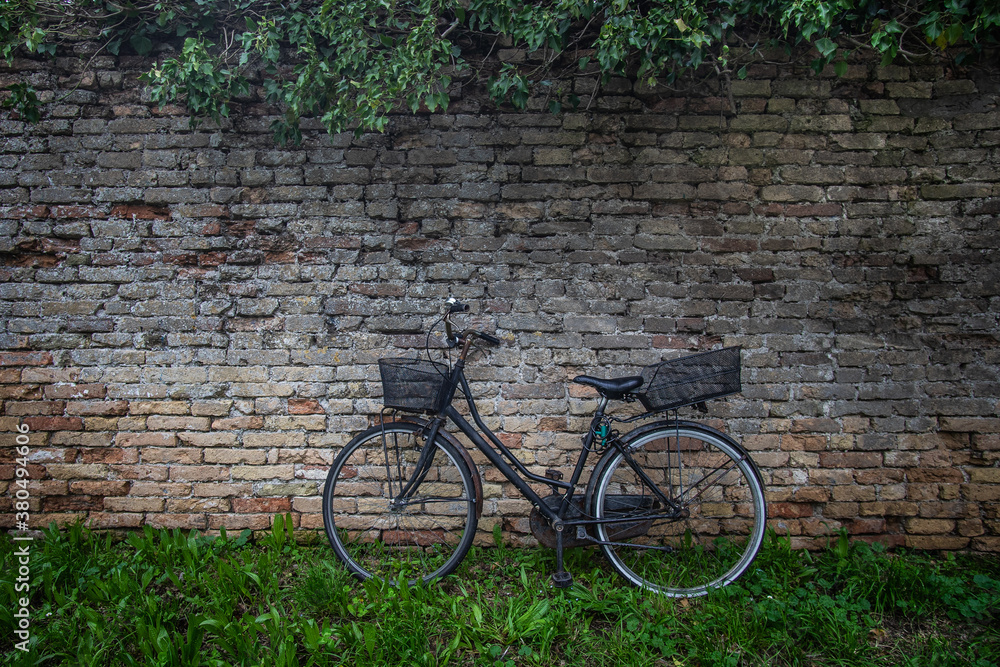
point(840, 67)
point(141, 44)
point(742, 73)
point(826, 47)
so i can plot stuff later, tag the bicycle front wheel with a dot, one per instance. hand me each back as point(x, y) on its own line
point(691, 504)
point(379, 530)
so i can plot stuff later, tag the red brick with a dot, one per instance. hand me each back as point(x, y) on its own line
point(850, 459)
point(191, 505)
point(153, 473)
point(789, 510)
point(130, 504)
point(878, 476)
point(304, 406)
point(67, 390)
point(35, 408)
point(23, 212)
point(239, 521)
point(25, 358)
point(933, 542)
point(934, 475)
point(140, 212)
point(61, 519)
point(106, 408)
point(814, 210)
point(866, 526)
point(812, 494)
point(797, 442)
point(188, 455)
point(34, 471)
point(99, 488)
point(840, 510)
point(221, 490)
point(10, 375)
point(311, 522)
point(238, 423)
point(72, 503)
point(159, 408)
point(196, 473)
point(256, 505)
point(160, 489)
point(50, 375)
point(158, 422)
point(20, 392)
point(987, 442)
point(146, 440)
point(815, 425)
point(54, 423)
point(109, 455)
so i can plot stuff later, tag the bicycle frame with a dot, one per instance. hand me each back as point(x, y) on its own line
point(515, 471)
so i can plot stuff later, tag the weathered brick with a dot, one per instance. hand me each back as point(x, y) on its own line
point(145, 440)
point(77, 470)
point(158, 422)
point(204, 340)
point(261, 472)
point(134, 504)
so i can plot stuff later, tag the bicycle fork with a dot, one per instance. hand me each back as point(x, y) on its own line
point(420, 470)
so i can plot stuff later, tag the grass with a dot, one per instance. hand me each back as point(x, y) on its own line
point(172, 599)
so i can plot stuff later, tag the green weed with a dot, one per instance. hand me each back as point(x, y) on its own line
point(174, 599)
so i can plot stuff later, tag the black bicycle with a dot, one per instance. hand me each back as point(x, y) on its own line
point(676, 506)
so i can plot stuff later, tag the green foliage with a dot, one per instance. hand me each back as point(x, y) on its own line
point(352, 62)
point(172, 598)
point(199, 78)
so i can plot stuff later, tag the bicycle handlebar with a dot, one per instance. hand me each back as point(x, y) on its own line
point(492, 340)
point(455, 306)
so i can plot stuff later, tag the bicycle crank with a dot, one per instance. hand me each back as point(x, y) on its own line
point(544, 533)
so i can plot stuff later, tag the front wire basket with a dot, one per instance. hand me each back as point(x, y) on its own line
point(693, 379)
point(413, 385)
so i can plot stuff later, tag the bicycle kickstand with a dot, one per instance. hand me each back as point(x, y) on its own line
point(560, 578)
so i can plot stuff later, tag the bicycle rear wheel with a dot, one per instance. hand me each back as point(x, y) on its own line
point(701, 527)
point(376, 531)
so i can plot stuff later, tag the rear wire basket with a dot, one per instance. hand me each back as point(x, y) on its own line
point(413, 385)
point(692, 379)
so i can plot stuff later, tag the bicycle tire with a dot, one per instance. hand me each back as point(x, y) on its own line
point(721, 514)
point(423, 539)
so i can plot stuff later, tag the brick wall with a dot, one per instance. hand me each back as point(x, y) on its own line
point(190, 316)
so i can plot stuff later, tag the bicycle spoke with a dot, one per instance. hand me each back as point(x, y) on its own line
point(716, 533)
point(375, 532)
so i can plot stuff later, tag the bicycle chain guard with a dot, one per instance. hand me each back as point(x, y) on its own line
point(544, 533)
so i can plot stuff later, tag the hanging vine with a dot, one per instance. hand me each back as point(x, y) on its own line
point(352, 62)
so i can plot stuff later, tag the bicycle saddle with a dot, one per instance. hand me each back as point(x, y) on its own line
point(614, 388)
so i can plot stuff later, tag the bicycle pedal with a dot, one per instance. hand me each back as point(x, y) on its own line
point(562, 579)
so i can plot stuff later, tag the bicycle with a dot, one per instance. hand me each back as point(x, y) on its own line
point(676, 506)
